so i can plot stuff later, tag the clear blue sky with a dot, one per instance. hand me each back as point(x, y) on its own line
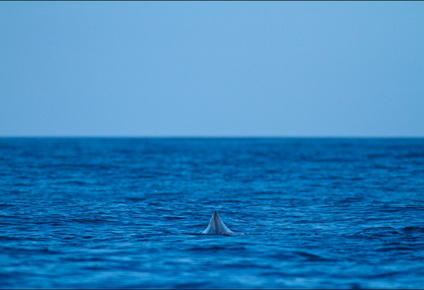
point(211, 69)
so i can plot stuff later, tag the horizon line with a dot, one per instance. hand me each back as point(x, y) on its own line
point(216, 136)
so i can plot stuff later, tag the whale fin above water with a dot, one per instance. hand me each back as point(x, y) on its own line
point(216, 226)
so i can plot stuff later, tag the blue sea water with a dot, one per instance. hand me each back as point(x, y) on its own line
point(128, 212)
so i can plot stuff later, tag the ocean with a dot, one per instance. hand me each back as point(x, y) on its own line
point(129, 212)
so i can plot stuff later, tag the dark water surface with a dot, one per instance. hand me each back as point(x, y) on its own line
point(127, 213)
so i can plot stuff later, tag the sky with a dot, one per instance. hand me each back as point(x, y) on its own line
point(288, 69)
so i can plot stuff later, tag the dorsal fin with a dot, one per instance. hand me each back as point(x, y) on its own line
point(216, 226)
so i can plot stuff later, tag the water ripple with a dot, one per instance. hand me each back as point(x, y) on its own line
point(128, 213)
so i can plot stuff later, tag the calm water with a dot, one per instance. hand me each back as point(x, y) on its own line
point(112, 213)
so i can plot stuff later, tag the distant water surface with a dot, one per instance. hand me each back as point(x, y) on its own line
point(127, 212)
